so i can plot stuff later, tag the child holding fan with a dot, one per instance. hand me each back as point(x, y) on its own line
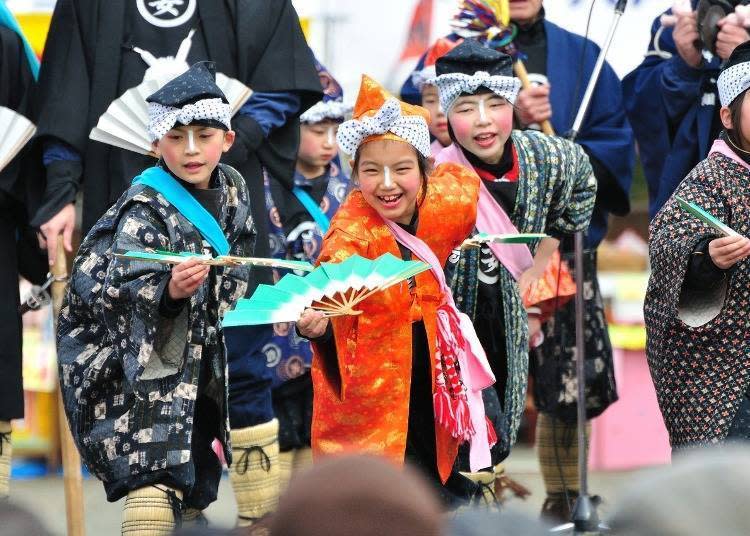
point(696, 304)
point(530, 183)
point(298, 219)
point(401, 379)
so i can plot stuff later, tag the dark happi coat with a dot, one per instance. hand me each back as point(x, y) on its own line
point(129, 377)
point(556, 193)
point(699, 342)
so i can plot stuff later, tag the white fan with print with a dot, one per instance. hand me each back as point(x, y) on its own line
point(125, 122)
point(17, 131)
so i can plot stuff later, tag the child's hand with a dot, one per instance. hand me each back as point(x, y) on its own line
point(529, 278)
point(186, 278)
point(312, 324)
point(729, 250)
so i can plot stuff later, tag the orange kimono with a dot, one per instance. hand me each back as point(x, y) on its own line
point(364, 405)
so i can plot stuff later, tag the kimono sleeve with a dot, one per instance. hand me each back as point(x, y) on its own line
point(673, 236)
point(573, 188)
point(147, 345)
point(338, 245)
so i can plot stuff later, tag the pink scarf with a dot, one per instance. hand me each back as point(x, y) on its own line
point(458, 394)
point(721, 147)
point(492, 219)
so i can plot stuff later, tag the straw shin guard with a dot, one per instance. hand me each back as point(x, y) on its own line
point(152, 511)
point(557, 448)
point(6, 450)
point(286, 463)
point(302, 459)
point(255, 471)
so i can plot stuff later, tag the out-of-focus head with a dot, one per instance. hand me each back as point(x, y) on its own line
point(357, 495)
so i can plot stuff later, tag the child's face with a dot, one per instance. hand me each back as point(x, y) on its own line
point(438, 120)
point(482, 124)
point(389, 178)
point(193, 152)
point(317, 144)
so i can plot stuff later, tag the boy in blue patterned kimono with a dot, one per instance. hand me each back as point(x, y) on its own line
point(298, 221)
point(142, 361)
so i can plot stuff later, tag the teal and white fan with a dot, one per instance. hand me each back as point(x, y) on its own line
point(705, 217)
point(516, 238)
point(171, 257)
point(333, 288)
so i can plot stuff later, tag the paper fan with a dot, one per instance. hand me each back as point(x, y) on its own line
point(333, 288)
point(705, 217)
point(17, 131)
point(125, 122)
point(518, 238)
point(171, 257)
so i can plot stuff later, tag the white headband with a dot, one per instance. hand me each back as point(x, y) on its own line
point(412, 128)
point(451, 86)
point(732, 82)
point(162, 119)
point(421, 78)
point(325, 110)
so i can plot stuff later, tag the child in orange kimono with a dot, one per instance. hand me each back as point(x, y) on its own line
point(390, 380)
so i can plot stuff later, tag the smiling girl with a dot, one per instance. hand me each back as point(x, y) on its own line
point(530, 183)
point(396, 379)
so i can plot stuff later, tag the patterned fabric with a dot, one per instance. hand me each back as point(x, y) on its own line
point(410, 128)
point(320, 111)
point(162, 119)
point(452, 85)
point(287, 353)
point(553, 363)
point(556, 197)
point(364, 406)
point(129, 377)
point(700, 369)
point(735, 75)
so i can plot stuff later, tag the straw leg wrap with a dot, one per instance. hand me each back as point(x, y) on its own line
point(286, 462)
point(557, 448)
point(5, 453)
point(255, 471)
point(152, 511)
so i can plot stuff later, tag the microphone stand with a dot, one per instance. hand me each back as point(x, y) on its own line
point(585, 518)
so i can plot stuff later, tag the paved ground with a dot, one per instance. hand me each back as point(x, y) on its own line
point(45, 497)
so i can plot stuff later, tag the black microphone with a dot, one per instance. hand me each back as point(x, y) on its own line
point(620, 5)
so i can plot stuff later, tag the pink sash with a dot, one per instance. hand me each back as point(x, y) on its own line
point(476, 373)
point(492, 219)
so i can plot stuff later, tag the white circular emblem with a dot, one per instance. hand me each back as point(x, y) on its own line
point(166, 13)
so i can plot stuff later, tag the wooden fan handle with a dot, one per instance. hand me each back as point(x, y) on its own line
point(523, 75)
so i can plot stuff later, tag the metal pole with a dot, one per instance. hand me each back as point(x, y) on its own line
point(585, 518)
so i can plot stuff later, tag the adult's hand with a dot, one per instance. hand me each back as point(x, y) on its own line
point(730, 35)
point(685, 34)
point(63, 223)
point(533, 104)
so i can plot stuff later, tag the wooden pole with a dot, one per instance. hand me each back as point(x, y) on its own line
point(520, 69)
point(71, 460)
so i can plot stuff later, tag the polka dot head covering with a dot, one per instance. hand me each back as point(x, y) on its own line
point(734, 78)
point(191, 98)
point(470, 66)
point(380, 116)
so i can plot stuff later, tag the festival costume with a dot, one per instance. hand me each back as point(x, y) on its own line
point(696, 314)
point(375, 375)
point(296, 232)
point(19, 245)
point(143, 376)
point(532, 198)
